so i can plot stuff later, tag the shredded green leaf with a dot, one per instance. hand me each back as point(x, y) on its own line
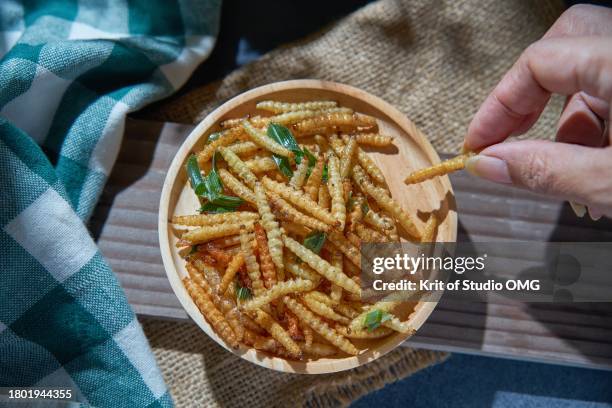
point(210, 188)
point(195, 177)
point(375, 318)
point(312, 160)
point(243, 293)
point(213, 136)
point(314, 241)
point(325, 174)
point(282, 135)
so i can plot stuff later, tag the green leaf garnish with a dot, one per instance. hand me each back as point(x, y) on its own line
point(312, 160)
point(194, 249)
point(325, 174)
point(365, 208)
point(243, 293)
point(195, 177)
point(314, 241)
point(282, 135)
point(213, 136)
point(375, 318)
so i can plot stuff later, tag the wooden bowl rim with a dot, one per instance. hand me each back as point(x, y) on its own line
point(322, 366)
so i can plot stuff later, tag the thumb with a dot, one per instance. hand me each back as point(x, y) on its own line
point(569, 172)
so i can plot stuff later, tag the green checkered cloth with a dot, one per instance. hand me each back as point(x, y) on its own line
point(70, 71)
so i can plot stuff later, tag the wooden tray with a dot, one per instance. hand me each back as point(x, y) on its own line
point(125, 227)
point(412, 151)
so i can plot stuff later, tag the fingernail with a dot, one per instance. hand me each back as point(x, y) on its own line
point(578, 208)
point(489, 168)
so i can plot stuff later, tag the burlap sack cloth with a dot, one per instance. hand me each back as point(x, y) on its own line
point(433, 60)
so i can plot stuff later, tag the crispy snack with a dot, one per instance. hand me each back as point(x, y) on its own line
point(293, 327)
point(337, 261)
point(238, 166)
point(286, 212)
point(395, 324)
point(385, 202)
point(260, 164)
point(320, 326)
point(334, 119)
point(294, 228)
point(440, 169)
point(338, 208)
point(230, 272)
point(280, 107)
point(318, 349)
point(211, 313)
point(346, 159)
point(391, 232)
point(355, 216)
point(346, 310)
point(323, 310)
point(243, 148)
point(353, 239)
point(268, 270)
point(377, 221)
point(387, 304)
point(377, 333)
point(227, 137)
point(273, 232)
point(368, 165)
point(300, 270)
point(220, 255)
point(259, 137)
point(321, 297)
point(324, 198)
point(236, 186)
point(277, 291)
point(299, 199)
point(373, 139)
point(214, 219)
point(252, 267)
point(429, 232)
point(369, 235)
point(321, 266)
point(314, 181)
point(347, 248)
point(226, 242)
point(277, 332)
point(308, 335)
point(259, 342)
point(299, 176)
point(203, 234)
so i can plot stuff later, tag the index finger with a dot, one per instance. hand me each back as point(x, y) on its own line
point(562, 65)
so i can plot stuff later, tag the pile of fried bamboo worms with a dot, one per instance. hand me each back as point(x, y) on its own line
point(288, 196)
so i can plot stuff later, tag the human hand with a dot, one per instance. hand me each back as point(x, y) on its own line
point(574, 58)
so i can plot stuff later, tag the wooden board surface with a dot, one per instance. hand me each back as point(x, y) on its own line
point(125, 226)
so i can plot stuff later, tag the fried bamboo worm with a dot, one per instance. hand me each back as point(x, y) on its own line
point(280, 107)
point(252, 267)
point(373, 139)
point(337, 240)
point(227, 137)
point(272, 230)
point(324, 200)
point(238, 167)
point(314, 181)
point(429, 232)
point(321, 266)
point(337, 261)
point(230, 272)
point(440, 169)
point(211, 313)
point(236, 186)
point(203, 234)
point(346, 159)
point(334, 119)
point(299, 199)
point(261, 164)
point(385, 202)
point(288, 213)
point(213, 219)
point(241, 148)
point(301, 270)
point(323, 310)
point(369, 235)
point(268, 270)
point(277, 332)
point(320, 326)
point(277, 291)
point(338, 207)
point(259, 137)
point(299, 175)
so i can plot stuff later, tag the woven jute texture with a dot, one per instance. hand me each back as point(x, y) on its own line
point(435, 61)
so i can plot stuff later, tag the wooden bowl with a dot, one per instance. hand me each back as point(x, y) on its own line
point(413, 152)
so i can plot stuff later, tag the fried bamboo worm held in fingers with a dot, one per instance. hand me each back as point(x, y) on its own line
point(261, 164)
point(285, 211)
point(299, 199)
point(385, 202)
point(267, 268)
point(280, 107)
point(324, 310)
point(440, 169)
point(261, 138)
point(214, 219)
point(314, 181)
point(338, 208)
point(277, 332)
point(299, 176)
point(238, 167)
point(320, 326)
point(346, 159)
point(199, 235)
point(211, 313)
point(272, 228)
point(277, 291)
point(373, 139)
point(236, 186)
point(252, 267)
point(321, 266)
point(227, 137)
point(230, 272)
point(429, 232)
point(337, 240)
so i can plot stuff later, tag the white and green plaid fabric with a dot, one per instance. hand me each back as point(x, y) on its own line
point(70, 71)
